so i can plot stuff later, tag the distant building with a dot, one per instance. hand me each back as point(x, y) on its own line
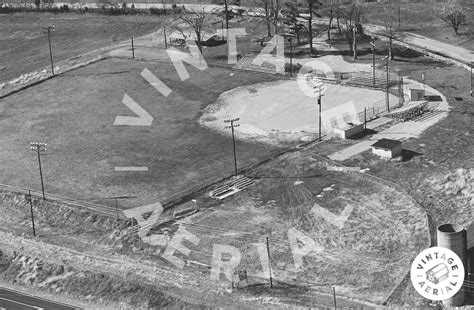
point(387, 148)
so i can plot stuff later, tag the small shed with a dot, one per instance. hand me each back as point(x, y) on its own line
point(348, 130)
point(387, 148)
point(415, 93)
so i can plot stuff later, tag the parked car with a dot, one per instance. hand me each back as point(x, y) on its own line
point(215, 40)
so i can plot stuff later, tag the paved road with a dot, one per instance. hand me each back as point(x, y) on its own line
point(452, 51)
point(14, 300)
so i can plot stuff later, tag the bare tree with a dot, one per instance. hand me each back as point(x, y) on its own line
point(453, 13)
point(198, 21)
point(331, 12)
point(351, 17)
point(262, 13)
point(290, 18)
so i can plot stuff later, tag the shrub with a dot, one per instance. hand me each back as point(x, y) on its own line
point(296, 68)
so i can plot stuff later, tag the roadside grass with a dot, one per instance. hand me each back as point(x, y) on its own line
point(421, 18)
point(74, 113)
point(25, 44)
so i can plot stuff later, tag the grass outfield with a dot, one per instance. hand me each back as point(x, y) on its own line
point(25, 46)
point(364, 258)
point(74, 113)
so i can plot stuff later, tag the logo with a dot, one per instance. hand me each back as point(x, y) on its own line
point(437, 273)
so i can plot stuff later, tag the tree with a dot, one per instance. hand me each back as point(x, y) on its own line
point(313, 5)
point(452, 13)
point(263, 13)
point(290, 18)
point(331, 12)
point(197, 20)
point(351, 17)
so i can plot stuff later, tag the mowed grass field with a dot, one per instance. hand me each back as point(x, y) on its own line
point(74, 113)
point(25, 44)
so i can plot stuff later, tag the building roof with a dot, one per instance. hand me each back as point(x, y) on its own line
point(386, 144)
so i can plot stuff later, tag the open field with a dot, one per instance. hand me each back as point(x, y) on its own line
point(74, 113)
point(25, 45)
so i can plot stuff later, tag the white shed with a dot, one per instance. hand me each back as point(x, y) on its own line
point(415, 93)
point(387, 148)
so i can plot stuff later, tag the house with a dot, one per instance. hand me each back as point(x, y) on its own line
point(387, 148)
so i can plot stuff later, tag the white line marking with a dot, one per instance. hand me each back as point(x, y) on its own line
point(143, 119)
point(20, 303)
point(131, 168)
point(156, 82)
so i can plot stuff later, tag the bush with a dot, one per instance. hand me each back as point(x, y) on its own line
point(296, 68)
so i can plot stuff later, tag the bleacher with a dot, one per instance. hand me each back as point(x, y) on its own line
point(231, 187)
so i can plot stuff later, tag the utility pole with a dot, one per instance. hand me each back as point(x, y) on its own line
point(133, 50)
point(31, 209)
point(291, 57)
point(334, 296)
point(373, 61)
point(39, 147)
point(232, 126)
point(423, 78)
point(470, 92)
point(49, 29)
point(365, 118)
point(269, 263)
point(164, 32)
point(399, 17)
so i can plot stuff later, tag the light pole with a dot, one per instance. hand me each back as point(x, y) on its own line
point(232, 126)
point(318, 89)
point(373, 60)
point(49, 29)
point(290, 36)
point(39, 147)
point(387, 100)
